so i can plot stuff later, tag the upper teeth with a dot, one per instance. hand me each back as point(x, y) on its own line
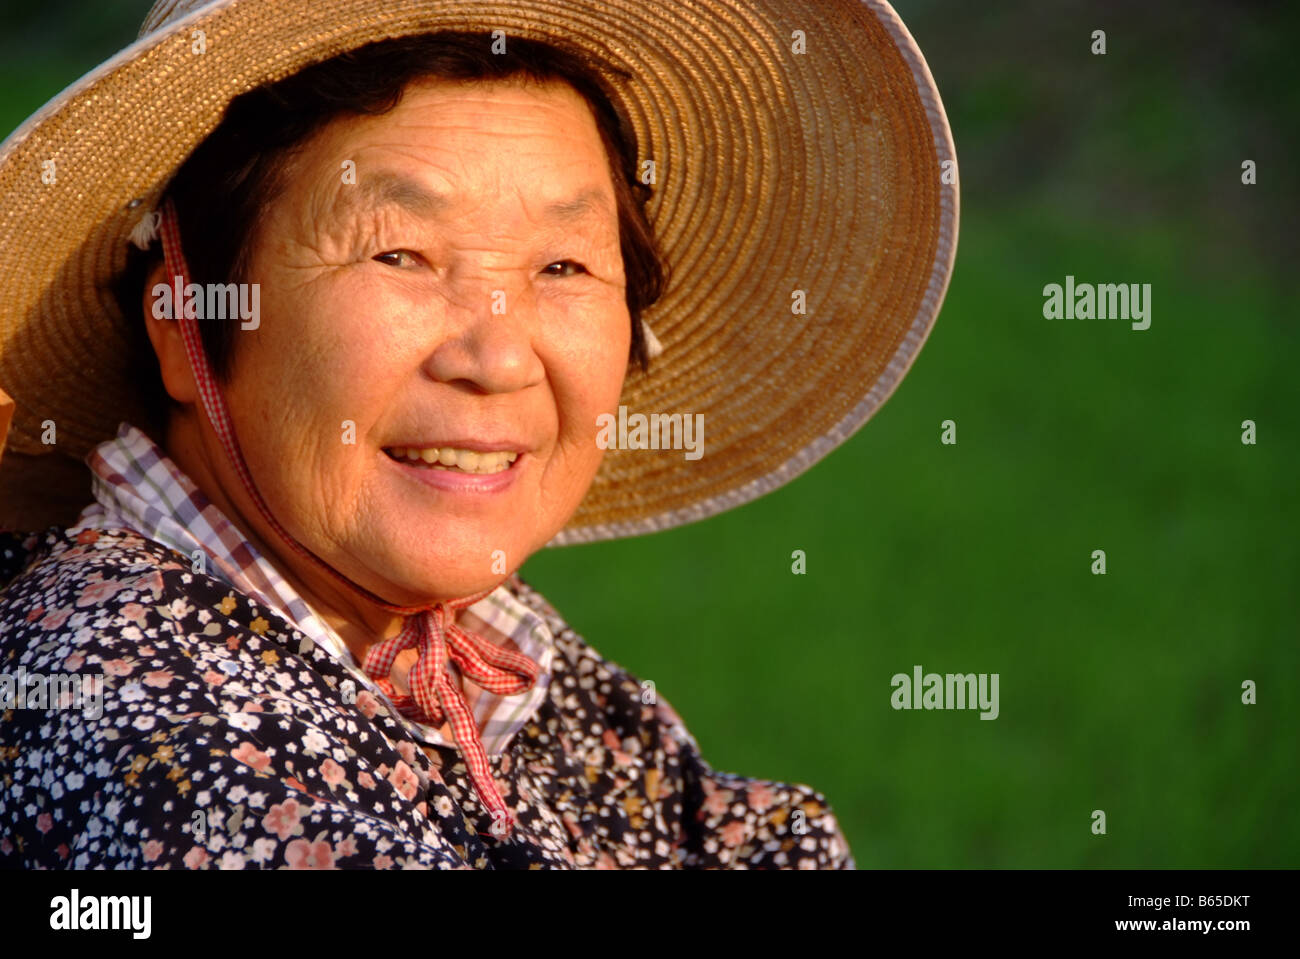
point(471, 461)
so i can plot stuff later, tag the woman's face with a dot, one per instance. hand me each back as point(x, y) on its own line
point(465, 293)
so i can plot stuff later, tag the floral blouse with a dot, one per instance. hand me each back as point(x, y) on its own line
point(225, 741)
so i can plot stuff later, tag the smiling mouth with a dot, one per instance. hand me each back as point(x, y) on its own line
point(453, 460)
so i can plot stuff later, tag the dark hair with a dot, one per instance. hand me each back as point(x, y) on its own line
point(221, 189)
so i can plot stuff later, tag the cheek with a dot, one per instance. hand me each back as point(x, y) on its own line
point(590, 384)
point(320, 343)
point(307, 385)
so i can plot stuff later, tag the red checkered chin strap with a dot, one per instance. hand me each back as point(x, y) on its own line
point(430, 629)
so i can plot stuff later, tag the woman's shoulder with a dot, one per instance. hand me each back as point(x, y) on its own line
point(85, 595)
point(148, 693)
point(78, 552)
point(730, 820)
point(60, 571)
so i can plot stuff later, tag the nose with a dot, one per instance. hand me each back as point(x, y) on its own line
point(487, 339)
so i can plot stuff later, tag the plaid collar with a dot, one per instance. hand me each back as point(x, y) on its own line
point(137, 486)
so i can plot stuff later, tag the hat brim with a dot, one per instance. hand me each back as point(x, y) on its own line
point(827, 174)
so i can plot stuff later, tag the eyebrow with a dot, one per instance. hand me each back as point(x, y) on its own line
point(395, 189)
point(391, 189)
point(591, 201)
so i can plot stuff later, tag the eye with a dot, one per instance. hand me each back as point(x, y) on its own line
point(567, 268)
point(399, 258)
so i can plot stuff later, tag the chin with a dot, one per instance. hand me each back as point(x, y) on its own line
point(443, 580)
point(449, 561)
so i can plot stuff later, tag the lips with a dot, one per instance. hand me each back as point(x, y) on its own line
point(454, 481)
point(454, 459)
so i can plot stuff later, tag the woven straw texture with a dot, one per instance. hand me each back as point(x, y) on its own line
point(776, 171)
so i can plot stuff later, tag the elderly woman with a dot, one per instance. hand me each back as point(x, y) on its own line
point(372, 343)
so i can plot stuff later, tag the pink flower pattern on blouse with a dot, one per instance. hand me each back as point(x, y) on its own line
point(226, 742)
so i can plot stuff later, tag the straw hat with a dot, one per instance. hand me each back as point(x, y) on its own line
point(801, 154)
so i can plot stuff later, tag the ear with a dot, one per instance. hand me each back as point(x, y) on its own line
point(168, 346)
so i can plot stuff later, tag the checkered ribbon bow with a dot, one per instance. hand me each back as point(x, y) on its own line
point(433, 631)
point(433, 696)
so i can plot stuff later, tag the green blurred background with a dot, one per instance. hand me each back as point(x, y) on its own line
point(1119, 692)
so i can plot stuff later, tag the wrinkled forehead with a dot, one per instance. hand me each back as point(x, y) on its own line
point(444, 138)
